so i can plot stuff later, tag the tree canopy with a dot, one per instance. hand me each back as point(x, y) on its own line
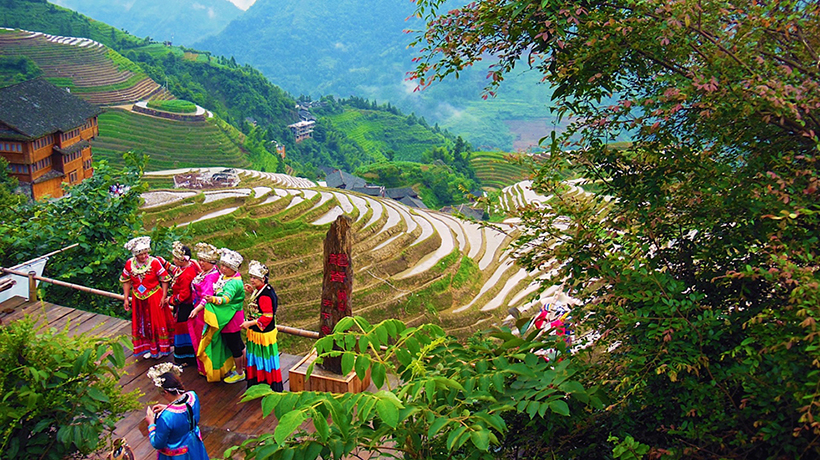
point(697, 260)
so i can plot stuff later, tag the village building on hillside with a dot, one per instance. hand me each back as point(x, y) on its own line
point(44, 136)
point(302, 130)
point(465, 210)
point(345, 181)
point(371, 190)
point(337, 178)
point(405, 195)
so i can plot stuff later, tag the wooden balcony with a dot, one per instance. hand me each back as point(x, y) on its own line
point(225, 422)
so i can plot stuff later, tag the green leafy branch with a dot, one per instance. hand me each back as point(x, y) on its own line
point(443, 399)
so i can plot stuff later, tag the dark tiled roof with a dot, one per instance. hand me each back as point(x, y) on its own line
point(412, 202)
point(467, 211)
point(48, 176)
point(36, 107)
point(76, 147)
point(343, 180)
point(326, 169)
point(369, 190)
point(399, 193)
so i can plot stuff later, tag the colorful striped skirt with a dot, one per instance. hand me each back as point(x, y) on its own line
point(263, 358)
point(184, 353)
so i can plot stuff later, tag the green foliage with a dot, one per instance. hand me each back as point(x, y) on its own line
point(380, 131)
point(497, 170)
point(17, 69)
point(41, 16)
point(697, 261)
point(450, 404)
point(8, 199)
point(175, 106)
point(181, 22)
point(90, 216)
point(438, 184)
point(233, 93)
point(61, 394)
point(628, 449)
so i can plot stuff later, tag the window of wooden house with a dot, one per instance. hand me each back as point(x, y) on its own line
point(15, 147)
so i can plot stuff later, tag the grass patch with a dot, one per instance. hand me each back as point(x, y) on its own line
point(173, 106)
point(159, 182)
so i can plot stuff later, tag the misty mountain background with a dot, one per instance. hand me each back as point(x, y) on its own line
point(360, 47)
point(182, 22)
point(344, 48)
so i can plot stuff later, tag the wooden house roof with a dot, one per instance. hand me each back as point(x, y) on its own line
point(35, 108)
point(343, 180)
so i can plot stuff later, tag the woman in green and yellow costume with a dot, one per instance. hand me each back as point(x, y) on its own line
point(221, 349)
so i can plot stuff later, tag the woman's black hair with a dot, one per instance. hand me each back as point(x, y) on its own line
point(171, 383)
point(186, 250)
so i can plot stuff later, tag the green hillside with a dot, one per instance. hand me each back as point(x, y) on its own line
point(360, 47)
point(381, 132)
point(170, 144)
point(40, 16)
point(497, 170)
point(94, 72)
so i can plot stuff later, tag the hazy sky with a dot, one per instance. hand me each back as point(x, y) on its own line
point(243, 4)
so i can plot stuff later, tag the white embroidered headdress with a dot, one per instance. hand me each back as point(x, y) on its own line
point(207, 252)
point(156, 371)
point(139, 244)
point(230, 258)
point(178, 251)
point(257, 269)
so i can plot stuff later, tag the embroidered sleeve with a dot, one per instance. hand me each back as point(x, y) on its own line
point(232, 290)
point(126, 273)
point(159, 435)
point(162, 274)
point(266, 307)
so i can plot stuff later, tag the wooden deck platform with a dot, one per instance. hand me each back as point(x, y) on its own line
point(225, 422)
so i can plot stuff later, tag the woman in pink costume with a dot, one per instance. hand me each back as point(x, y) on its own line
point(203, 287)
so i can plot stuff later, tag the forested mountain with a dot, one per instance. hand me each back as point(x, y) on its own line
point(242, 96)
point(182, 22)
point(360, 47)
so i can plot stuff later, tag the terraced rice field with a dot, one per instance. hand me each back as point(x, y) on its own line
point(170, 144)
point(496, 170)
point(416, 265)
point(91, 70)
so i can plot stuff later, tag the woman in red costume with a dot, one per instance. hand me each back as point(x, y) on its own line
point(183, 271)
point(152, 322)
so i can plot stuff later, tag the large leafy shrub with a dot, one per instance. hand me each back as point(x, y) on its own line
point(449, 402)
point(61, 396)
point(91, 216)
point(697, 262)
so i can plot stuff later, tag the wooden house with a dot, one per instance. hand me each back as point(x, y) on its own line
point(44, 136)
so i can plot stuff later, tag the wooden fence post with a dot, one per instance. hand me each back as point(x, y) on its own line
point(32, 286)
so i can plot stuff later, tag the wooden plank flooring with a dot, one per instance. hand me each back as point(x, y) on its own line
point(225, 422)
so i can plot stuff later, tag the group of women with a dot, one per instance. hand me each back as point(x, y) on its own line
point(197, 310)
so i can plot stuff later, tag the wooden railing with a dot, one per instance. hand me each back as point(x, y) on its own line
point(32, 289)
